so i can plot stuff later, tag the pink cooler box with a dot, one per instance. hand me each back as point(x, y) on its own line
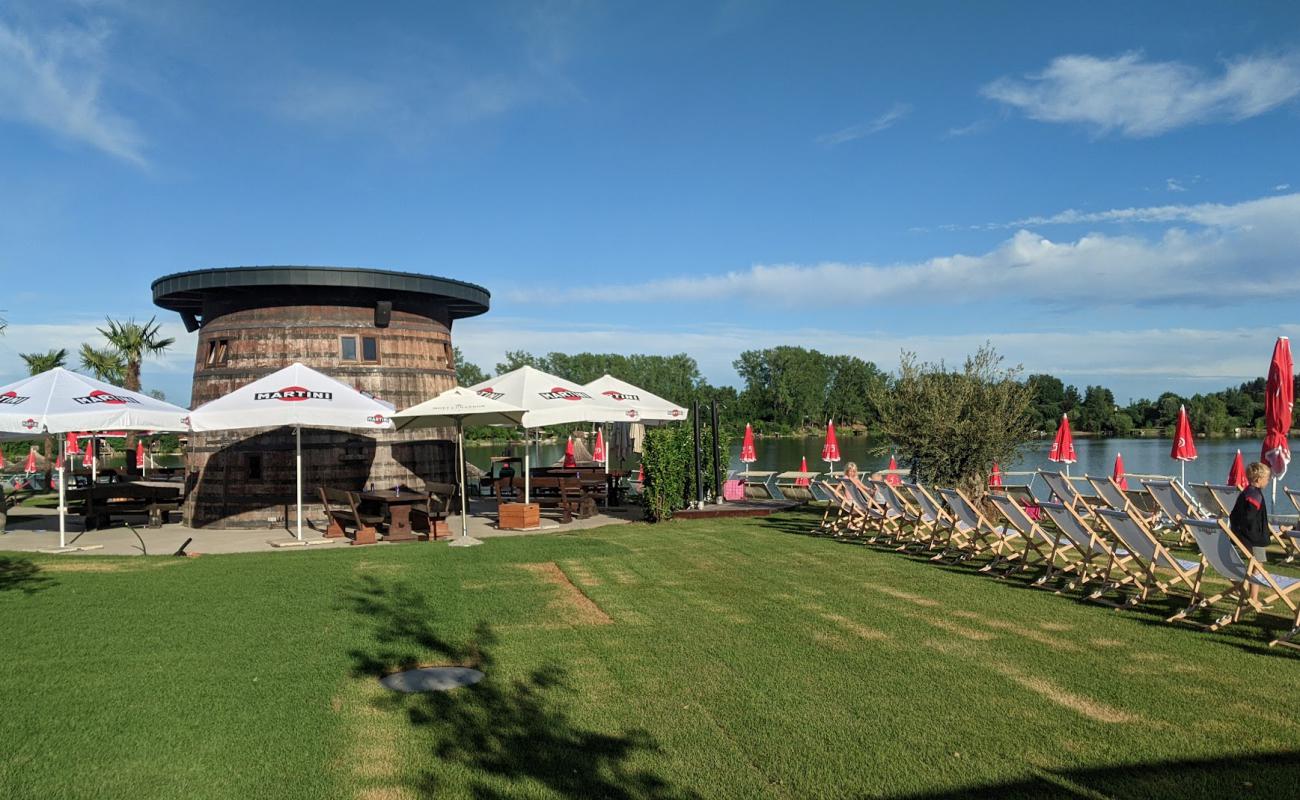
point(733, 490)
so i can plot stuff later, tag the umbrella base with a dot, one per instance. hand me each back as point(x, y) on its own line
point(464, 541)
point(298, 542)
point(71, 549)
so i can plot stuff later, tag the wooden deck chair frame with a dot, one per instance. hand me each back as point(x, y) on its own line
point(1224, 553)
point(860, 507)
point(1219, 498)
point(836, 508)
point(899, 517)
point(1150, 555)
point(931, 520)
point(1092, 547)
point(1064, 491)
point(879, 521)
point(1109, 492)
point(983, 536)
point(1036, 538)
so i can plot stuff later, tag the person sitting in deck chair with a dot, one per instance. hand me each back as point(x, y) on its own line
point(850, 470)
point(1249, 519)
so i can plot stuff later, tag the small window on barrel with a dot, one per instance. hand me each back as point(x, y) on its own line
point(369, 349)
point(349, 348)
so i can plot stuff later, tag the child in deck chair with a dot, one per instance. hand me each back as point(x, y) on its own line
point(850, 470)
point(1249, 519)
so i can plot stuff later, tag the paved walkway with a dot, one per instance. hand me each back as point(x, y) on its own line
point(36, 529)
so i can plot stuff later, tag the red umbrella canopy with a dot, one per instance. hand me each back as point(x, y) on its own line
point(2, 459)
point(803, 467)
point(1279, 394)
point(1237, 474)
point(569, 460)
point(30, 466)
point(72, 445)
point(599, 453)
point(747, 454)
point(640, 472)
point(1117, 474)
point(891, 478)
point(1184, 448)
point(88, 460)
point(1063, 445)
point(995, 478)
point(831, 450)
point(139, 455)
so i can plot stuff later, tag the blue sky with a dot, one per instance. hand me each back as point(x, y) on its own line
point(1110, 192)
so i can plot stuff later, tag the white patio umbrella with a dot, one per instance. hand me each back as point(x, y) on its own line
point(455, 407)
point(59, 401)
point(550, 400)
point(296, 396)
point(649, 407)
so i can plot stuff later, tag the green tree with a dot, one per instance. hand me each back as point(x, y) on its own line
point(467, 374)
point(44, 362)
point(104, 363)
point(949, 426)
point(133, 343)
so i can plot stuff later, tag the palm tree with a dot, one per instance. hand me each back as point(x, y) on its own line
point(134, 342)
point(106, 364)
point(44, 362)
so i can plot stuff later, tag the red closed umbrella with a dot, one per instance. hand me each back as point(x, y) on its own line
point(640, 472)
point(1062, 450)
point(139, 455)
point(569, 460)
point(1184, 448)
point(30, 466)
point(1279, 394)
point(598, 454)
point(747, 454)
point(1237, 474)
point(1117, 474)
point(890, 477)
point(995, 478)
point(2, 459)
point(72, 446)
point(831, 449)
point(88, 458)
point(803, 467)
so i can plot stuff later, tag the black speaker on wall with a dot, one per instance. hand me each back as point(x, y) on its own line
point(383, 313)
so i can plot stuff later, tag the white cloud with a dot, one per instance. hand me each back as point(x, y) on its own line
point(1173, 185)
point(52, 79)
point(1139, 98)
point(978, 126)
point(880, 123)
point(1183, 265)
point(1281, 187)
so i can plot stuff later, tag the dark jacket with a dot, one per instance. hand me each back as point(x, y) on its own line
point(1249, 518)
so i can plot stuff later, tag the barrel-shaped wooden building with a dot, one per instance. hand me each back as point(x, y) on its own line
point(385, 333)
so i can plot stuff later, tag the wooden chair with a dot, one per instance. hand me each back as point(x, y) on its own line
point(433, 517)
point(1037, 540)
point(1223, 553)
point(344, 512)
point(1065, 491)
point(931, 519)
point(1151, 558)
point(1092, 548)
point(976, 535)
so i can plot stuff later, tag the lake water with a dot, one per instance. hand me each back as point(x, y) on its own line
point(1096, 456)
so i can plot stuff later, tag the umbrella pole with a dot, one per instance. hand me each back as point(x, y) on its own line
point(527, 472)
point(94, 462)
point(63, 490)
point(465, 539)
point(297, 457)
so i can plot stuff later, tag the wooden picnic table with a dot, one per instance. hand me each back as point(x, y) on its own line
point(397, 509)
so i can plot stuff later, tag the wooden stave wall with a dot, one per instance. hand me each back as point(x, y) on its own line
point(415, 364)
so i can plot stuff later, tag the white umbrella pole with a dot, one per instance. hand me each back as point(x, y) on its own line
point(460, 455)
point(297, 444)
point(1183, 480)
point(94, 462)
point(63, 494)
point(528, 446)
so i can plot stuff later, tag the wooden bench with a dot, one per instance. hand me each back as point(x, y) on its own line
point(98, 505)
point(343, 510)
point(561, 492)
point(433, 518)
point(12, 499)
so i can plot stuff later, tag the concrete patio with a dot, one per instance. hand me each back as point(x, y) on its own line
point(36, 529)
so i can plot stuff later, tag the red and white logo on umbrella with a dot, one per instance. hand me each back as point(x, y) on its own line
point(293, 394)
point(489, 394)
point(12, 399)
point(613, 395)
point(107, 398)
point(29, 424)
point(561, 393)
point(377, 419)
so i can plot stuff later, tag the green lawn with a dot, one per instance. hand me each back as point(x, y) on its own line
point(710, 659)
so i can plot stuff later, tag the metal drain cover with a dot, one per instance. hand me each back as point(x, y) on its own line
point(431, 679)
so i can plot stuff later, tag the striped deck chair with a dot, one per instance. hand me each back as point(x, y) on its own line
point(1048, 547)
point(1102, 560)
point(931, 520)
point(1064, 491)
point(1151, 558)
point(897, 512)
point(981, 535)
point(1228, 557)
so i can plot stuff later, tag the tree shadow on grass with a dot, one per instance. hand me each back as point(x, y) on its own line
point(22, 575)
point(510, 733)
point(1273, 774)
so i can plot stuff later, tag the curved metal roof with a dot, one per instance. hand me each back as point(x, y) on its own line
point(185, 292)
